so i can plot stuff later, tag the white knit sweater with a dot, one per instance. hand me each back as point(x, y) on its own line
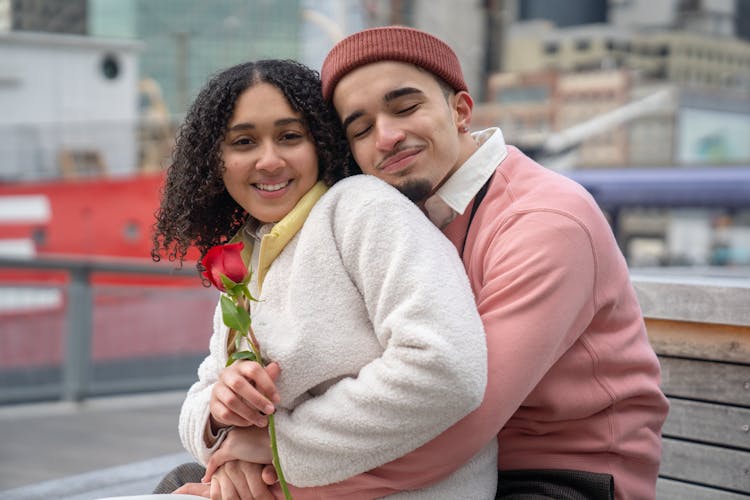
point(370, 315)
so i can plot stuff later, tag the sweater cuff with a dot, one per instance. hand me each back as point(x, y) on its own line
point(214, 440)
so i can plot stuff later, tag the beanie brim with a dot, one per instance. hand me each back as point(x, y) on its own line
point(391, 43)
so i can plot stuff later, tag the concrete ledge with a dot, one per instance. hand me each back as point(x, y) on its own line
point(137, 478)
point(705, 299)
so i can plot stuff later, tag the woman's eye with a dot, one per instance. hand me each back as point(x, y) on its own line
point(242, 141)
point(291, 136)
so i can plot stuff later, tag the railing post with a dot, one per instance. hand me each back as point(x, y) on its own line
point(77, 365)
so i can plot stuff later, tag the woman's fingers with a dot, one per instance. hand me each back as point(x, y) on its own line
point(245, 393)
point(227, 408)
point(250, 375)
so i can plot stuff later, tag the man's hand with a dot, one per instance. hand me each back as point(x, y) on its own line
point(197, 489)
point(239, 480)
point(248, 444)
point(244, 394)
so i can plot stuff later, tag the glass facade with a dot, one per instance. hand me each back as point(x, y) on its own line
point(185, 41)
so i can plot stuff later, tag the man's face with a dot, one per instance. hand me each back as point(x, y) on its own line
point(400, 125)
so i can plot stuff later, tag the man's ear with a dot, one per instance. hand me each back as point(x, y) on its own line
point(464, 105)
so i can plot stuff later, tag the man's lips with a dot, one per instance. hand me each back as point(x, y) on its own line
point(400, 160)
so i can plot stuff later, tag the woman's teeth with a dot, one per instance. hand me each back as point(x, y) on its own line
point(272, 187)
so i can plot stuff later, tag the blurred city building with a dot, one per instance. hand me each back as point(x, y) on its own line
point(637, 124)
point(569, 13)
point(531, 106)
point(687, 58)
point(185, 41)
point(69, 106)
point(556, 76)
point(49, 16)
point(609, 86)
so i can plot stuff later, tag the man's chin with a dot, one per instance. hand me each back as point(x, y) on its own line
point(417, 190)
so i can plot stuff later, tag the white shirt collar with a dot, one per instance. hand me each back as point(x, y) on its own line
point(257, 230)
point(461, 187)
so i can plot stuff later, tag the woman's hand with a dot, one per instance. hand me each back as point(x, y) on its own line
point(248, 444)
point(244, 394)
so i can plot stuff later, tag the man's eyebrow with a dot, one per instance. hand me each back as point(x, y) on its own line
point(395, 94)
point(388, 97)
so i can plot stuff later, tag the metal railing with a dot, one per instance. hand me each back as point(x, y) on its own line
point(76, 367)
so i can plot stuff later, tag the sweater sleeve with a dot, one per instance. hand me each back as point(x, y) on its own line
point(535, 299)
point(195, 409)
point(432, 371)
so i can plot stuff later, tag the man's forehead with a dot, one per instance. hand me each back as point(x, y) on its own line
point(379, 80)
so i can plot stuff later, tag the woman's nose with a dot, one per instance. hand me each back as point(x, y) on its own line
point(269, 159)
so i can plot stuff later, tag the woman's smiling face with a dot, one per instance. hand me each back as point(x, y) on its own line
point(270, 160)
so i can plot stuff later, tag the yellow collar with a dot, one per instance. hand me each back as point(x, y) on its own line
point(283, 231)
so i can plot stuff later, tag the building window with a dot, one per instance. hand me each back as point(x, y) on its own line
point(583, 44)
point(110, 67)
point(529, 94)
point(551, 48)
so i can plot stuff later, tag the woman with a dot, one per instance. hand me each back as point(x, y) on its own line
point(364, 307)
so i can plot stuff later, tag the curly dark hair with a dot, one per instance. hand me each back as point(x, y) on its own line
point(196, 209)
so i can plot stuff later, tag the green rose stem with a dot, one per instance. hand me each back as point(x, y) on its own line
point(271, 422)
point(236, 316)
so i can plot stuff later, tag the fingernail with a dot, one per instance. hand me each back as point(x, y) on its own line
point(268, 409)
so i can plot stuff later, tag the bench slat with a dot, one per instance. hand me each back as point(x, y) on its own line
point(711, 423)
point(720, 303)
point(700, 340)
point(667, 489)
point(705, 464)
point(706, 380)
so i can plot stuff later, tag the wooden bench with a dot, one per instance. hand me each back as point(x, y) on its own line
point(700, 328)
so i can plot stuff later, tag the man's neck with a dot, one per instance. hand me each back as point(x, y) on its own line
point(467, 147)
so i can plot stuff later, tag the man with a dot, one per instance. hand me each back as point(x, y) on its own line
point(573, 384)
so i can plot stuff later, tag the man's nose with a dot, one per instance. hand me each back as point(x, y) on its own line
point(388, 134)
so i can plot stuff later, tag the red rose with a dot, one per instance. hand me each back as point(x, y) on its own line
point(226, 260)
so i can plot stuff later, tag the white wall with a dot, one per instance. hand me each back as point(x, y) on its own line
point(53, 94)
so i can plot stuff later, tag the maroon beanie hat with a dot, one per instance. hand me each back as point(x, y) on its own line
point(391, 43)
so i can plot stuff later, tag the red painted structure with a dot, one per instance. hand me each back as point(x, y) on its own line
point(98, 217)
point(134, 316)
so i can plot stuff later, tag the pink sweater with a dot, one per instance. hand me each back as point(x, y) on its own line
point(573, 381)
